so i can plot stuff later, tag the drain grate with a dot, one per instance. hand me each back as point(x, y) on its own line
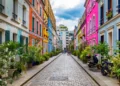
point(59, 78)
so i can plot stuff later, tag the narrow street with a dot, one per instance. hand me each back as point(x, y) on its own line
point(64, 71)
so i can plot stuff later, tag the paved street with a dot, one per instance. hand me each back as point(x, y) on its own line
point(64, 71)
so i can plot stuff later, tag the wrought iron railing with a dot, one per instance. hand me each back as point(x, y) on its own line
point(14, 15)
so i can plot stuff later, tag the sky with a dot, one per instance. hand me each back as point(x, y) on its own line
point(68, 12)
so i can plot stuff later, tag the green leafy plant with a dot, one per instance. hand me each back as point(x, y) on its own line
point(85, 52)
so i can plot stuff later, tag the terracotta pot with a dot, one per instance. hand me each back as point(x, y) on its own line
point(11, 71)
point(29, 65)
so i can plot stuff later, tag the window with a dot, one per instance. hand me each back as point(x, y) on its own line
point(1, 5)
point(94, 24)
point(40, 30)
point(102, 38)
point(40, 11)
point(33, 42)
point(102, 15)
point(109, 4)
point(33, 2)
point(33, 19)
point(0, 37)
point(24, 15)
point(37, 27)
point(90, 27)
point(15, 9)
point(118, 6)
point(14, 37)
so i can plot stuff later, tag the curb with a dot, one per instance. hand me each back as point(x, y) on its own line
point(40, 70)
point(94, 77)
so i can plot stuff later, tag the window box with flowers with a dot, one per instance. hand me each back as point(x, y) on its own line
point(109, 14)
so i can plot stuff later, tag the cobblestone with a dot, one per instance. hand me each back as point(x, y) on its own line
point(64, 71)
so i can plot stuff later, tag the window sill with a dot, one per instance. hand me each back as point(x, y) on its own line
point(14, 20)
point(3, 14)
point(24, 26)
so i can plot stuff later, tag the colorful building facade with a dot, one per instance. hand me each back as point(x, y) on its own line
point(14, 21)
point(36, 8)
point(91, 21)
point(45, 33)
point(109, 25)
point(50, 28)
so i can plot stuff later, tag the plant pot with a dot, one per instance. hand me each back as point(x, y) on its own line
point(29, 65)
point(11, 71)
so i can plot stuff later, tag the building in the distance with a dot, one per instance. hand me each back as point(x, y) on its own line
point(64, 35)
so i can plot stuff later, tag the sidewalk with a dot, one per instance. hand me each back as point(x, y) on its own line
point(32, 72)
point(97, 76)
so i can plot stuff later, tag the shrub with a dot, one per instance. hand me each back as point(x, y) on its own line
point(85, 52)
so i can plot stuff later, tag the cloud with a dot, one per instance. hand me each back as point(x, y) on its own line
point(71, 13)
point(67, 12)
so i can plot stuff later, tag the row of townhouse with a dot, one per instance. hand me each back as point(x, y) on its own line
point(100, 23)
point(27, 22)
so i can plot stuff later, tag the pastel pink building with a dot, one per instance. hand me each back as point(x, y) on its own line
point(91, 21)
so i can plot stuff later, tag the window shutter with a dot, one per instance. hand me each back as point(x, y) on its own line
point(26, 43)
point(7, 35)
point(21, 39)
point(119, 34)
point(0, 37)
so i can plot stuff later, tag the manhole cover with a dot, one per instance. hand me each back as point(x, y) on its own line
point(59, 78)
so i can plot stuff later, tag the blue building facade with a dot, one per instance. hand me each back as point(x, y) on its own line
point(50, 44)
point(109, 22)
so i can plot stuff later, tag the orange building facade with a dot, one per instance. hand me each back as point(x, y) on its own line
point(36, 20)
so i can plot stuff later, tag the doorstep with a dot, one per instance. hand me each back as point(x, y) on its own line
point(97, 76)
point(32, 72)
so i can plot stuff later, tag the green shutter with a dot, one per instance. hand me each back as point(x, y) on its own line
point(32, 24)
point(21, 39)
point(26, 44)
point(7, 35)
point(0, 37)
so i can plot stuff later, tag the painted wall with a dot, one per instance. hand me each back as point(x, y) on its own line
point(92, 28)
point(14, 26)
point(34, 12)
point(50, 45)
point(111, 25)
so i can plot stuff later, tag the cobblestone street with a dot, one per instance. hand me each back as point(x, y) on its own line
point(64, 71)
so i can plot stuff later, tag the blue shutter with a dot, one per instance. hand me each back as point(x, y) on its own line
point(7, 35)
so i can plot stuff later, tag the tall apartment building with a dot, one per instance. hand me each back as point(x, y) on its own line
point(14, 21)
point(63, 33)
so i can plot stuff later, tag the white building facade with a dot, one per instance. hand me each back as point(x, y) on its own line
point(62, 33)
point(14, 21)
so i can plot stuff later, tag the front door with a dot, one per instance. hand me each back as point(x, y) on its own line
point(110, 42)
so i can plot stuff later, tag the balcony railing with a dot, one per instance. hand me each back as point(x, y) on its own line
point(102, 21)
point(118, 8)
point(14, 16)
point(24, 22)
point(109, 14)
point(1, 7)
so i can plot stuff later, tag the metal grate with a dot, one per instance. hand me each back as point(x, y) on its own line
point(59, 78)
